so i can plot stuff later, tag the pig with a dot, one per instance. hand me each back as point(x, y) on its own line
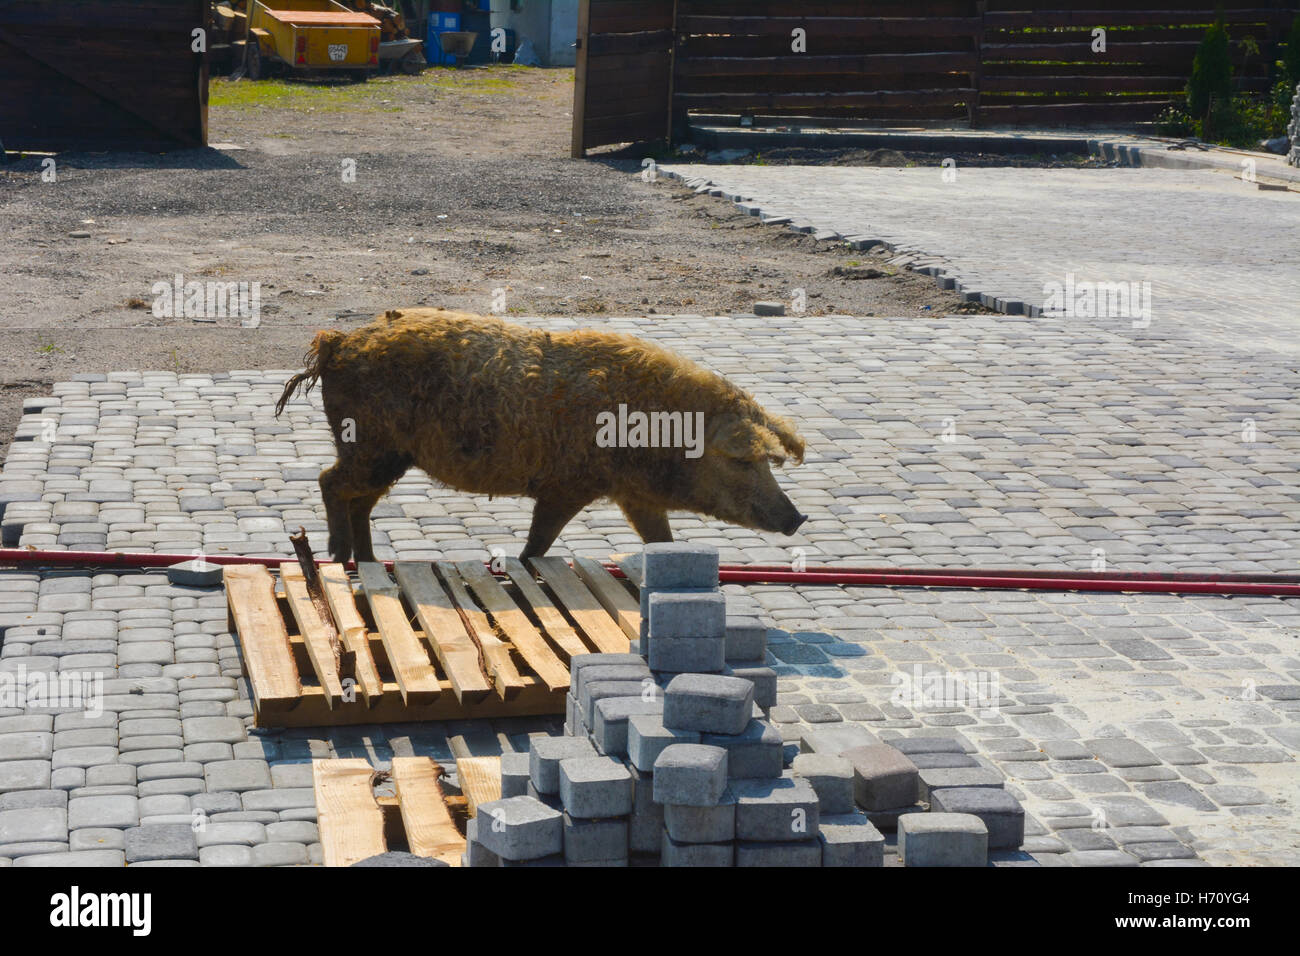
point(488, 407)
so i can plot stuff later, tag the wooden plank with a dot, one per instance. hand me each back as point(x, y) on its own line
point(548, 615)
point(480, 780)
point(582, 605)
point(613, 597)
point(514, 624)
point(315, 635)
point(867, 65)
point(533, 701)
point(577, 142)
point(430, 831)
point(496, 656)
point(748, 102)
point(410, 662)
point(444, 630)
point(352, 629)
point(821, 27)
point(250, 595)
point(350, 822)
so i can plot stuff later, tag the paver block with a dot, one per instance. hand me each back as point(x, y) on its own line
point(645, 826)
point(520, 828)
point(942, 839)
point(788, 853)
point(237, 775)
point(165, 841)
point(105, 811)
point(685, 614)
point(544, 758)
point(690, 774)
point(647, 737)
point(611, 721)
point(514, 774)
point(836, 739)
point(952, 777)
point(677, 564)
point(1002, 813)
point(779, 810)
point(595, 787)
point(927, 745)
point(746, 639)
point(715, 824)
point(33, 825)
point(925, 761)
point(687, 655)
point(763, 679)
point(476, 854)
point(831, 777)
point(590, 841)
point(757, 752)
point(108, 859)
point(849, 839)
point(709, 703)
point(883, 778)
point(598, 690)
point(195, 574)
point(673, 853)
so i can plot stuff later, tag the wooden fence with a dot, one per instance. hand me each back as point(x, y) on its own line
point(644, 66)
point(102, 74)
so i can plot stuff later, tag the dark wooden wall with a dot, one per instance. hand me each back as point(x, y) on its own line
point(988, 62)
point(102, 74)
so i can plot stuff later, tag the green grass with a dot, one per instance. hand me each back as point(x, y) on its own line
point(344, 96)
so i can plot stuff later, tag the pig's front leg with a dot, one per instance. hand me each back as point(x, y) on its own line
point(550, 515)
point(650, 523)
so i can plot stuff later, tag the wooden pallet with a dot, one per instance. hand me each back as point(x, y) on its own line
point(446, 640)
point(355, 823)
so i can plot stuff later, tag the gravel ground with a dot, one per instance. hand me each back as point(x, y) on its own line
point(463, 185)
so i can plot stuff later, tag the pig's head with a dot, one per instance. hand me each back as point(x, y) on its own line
point(733, 479)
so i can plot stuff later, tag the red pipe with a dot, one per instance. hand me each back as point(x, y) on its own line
point(1281, 585)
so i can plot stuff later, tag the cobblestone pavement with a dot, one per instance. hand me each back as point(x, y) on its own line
point(1164, 726)
point(1214, 249)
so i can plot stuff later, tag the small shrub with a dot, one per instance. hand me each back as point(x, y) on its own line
point(1176, 122)
point(1211, 72)
point(1291, 55)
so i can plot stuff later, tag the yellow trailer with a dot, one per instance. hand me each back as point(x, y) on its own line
point(303, 36)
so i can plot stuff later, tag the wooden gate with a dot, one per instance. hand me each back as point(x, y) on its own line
point(623, 76)
point(102, 74)
point(644, 67)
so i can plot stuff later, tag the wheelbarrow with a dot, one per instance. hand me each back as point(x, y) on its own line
point(458, 43)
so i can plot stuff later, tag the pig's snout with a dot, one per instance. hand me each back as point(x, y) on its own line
point(793, 525)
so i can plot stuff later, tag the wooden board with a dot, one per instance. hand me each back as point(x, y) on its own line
point(314, 634)
point(352, 629)
point(548, 615)
point(496, 656)
point(350, 822)
point(250, 595)
point(480, 780)
point(582, 605)
point(621, 605)
point(311, 711)
point(514, 624)
point(430, 831)
point(444, 630)
point(406, 655)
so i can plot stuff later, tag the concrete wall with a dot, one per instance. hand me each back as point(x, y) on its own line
point(552, 25)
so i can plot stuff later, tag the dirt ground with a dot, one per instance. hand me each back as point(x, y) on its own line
point(463, 185)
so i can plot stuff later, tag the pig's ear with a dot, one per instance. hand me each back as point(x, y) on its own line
point(786, 437)
point(741, 438)
point(748, 439)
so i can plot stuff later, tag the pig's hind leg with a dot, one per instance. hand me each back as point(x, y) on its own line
point(650, 523)
point(350, 490)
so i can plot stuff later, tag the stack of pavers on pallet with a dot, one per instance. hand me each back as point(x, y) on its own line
point(668, 758)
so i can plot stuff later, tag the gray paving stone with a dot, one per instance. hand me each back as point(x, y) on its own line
point(942, 839)
point(690, 775)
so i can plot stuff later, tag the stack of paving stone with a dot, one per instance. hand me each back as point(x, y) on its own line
point(667, 755)
point(1293, 129)
point(947, 809)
